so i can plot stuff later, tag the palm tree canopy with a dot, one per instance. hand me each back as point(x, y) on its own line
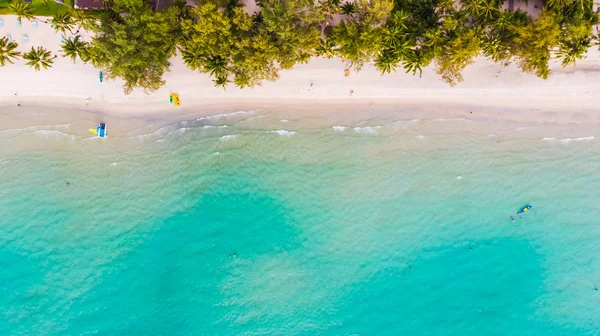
point(221, 81)
point(348, 8)
point(38, 58)
point(21, 10)
point(75, 47)
point(63, 22)
point(7, 51)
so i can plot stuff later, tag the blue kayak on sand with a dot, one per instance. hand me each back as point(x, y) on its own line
point(524, 209)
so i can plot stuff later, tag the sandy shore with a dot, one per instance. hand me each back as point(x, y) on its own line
point(489, 90)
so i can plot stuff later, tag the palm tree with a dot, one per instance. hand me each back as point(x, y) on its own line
point(386, 62)
point(63, 22)
point(414, 63)
point(38, 58)
point(471, 7)
point(504, 21)
point(398, 19)
point(193, 59)
point(216, 66)
point(22, 10)
point(571, 51)
point(325, 49)
point(221, 81)
point(82, 19)
point(74, 48)
point(558, 4)
point(492, 47)
point(488, 9)
point(7, 51)
point(393, 36)
point(348, 8)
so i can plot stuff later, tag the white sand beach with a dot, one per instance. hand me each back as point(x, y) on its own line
point(569, 95)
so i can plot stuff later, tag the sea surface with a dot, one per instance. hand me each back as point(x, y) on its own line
point(229, 225)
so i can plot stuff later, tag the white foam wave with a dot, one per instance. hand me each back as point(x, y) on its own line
point(163, 131)
point(227, 137)
point(283, 132)
point(367, 129)
point(53, 133)
point(211, 126)
point(548, 139)
point(339, 128)
point(31, 129)
point(421, 137)
point(567, 140)
point(113, 164)
point(283, 120)
point(226, 115)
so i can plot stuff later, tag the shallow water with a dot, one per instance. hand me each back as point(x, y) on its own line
point(265, 227)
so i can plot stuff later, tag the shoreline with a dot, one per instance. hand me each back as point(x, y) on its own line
point(317, 90)
point(395, 116)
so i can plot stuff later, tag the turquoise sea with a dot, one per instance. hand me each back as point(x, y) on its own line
point(230, 225)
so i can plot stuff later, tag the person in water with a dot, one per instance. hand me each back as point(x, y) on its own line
point(512, 218)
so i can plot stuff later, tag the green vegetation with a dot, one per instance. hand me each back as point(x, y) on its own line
point(38, 58)
point(7, 51)
point(220, 38)
point(63, 22)
point(73, 48)
point(135, 47)
point(231, 45)
point(39, 7)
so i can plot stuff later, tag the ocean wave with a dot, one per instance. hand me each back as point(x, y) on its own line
point(283, 132)
point(53, 133)
point(227, 137)
point(338, 128)
point(367, 129)
point(567, 140)
point(548, 139)
point(203, 122)
point(226, 115)
point(421, 137)
point(32, 129)
point(212, 126)
point(283, 120)
point(163, 131)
